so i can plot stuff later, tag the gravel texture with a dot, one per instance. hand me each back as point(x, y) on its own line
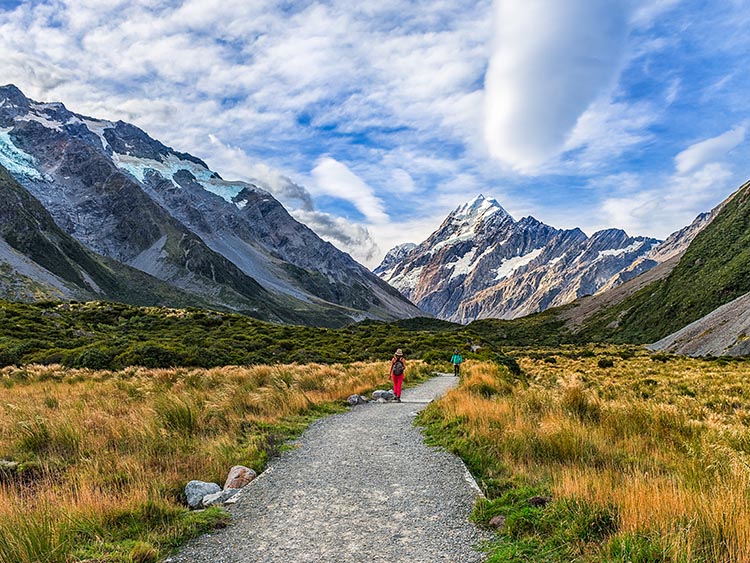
point(359, 486)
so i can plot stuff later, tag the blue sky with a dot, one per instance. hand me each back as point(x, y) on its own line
point(371, 122)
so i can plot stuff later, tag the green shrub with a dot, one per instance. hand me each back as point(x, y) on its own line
point(9, 357)
point(94, 358)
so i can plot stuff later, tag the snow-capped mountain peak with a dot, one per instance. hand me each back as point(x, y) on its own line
point(478, 208)
point(483, 263)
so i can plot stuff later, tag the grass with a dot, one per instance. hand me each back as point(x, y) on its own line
point(99, 459)
point(646, 459)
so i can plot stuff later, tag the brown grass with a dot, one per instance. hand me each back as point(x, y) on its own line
point(93, 444)
point(666, 443)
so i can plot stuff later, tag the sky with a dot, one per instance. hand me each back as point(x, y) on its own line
point(371, 121)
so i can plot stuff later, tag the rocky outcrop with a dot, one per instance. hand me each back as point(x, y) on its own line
point(483, 263)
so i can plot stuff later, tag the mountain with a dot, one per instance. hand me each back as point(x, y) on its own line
point(132, 199)
point(482, 263)
point(712, 271)
point(40, 261)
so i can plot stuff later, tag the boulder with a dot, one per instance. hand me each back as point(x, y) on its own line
point(498, 522)
point(385, 395)
point(219, 498)
point(239, 476)
point(196, 490)
point(354, 400)
point(539, 502)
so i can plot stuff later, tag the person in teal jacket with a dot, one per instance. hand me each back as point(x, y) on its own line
point(456, 361)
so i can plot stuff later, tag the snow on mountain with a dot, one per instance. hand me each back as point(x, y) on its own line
point(483, 263)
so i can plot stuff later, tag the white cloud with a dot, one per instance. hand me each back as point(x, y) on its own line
point(682, 198)
point(334, 178)
point(709, 150)
point(350, 237)
point(551, 61)
point(700, 180)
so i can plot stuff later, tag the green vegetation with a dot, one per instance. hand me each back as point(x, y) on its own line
point(605, 454)
point(100, 335)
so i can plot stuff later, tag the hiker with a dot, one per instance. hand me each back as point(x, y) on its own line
point(398, 366)
point(456, 360)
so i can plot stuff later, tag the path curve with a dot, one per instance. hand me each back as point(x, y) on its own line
point(359, 486)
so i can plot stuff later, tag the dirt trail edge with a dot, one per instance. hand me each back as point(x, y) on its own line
point(359, 486)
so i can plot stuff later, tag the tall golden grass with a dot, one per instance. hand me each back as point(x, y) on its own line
point(94, 445)
point(666, 443)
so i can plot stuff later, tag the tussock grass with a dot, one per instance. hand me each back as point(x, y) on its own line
point(104, 455)
point(654, 456)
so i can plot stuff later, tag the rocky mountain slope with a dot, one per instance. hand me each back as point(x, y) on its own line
point(482, 263)
point(40, 261)
point(128, 197)
point(723, 332)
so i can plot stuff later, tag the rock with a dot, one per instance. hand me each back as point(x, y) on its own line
point(539, 502)
point(9, 465)
point(221, 497)
point(382, 394)
point(498, 522)
point(239, 476)
point(354, 400)
point(196, 490)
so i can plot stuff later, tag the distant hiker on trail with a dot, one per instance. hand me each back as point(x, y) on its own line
point(456, 360)
point(398, 366)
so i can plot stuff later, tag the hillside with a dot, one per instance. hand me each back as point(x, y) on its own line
point(713, 270)
point(723, 332)
point(113, 335)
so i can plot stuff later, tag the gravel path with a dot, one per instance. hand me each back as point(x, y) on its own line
point(359, 486)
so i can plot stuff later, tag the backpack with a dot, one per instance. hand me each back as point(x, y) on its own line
point(398, 368)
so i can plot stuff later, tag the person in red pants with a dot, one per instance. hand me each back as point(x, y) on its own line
point(398, 367)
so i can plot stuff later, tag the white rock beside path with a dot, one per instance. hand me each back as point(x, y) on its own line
point(359, 486)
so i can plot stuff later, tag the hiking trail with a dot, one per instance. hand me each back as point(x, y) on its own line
point(358, 486)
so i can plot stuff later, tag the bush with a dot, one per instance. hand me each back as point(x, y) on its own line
point(9, 357)
point(510, 363)
point(435, 357)
point(605, 363)
point(152, 356)
point(94, 358)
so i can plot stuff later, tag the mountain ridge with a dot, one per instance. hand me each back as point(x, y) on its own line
point(481, 263)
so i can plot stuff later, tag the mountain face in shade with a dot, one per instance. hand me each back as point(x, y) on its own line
point(483, 263)
point(132, 199)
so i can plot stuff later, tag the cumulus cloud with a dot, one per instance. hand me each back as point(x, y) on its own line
point(700, 179)
point(551, 61)
point(661, 211)
point(709, 150)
